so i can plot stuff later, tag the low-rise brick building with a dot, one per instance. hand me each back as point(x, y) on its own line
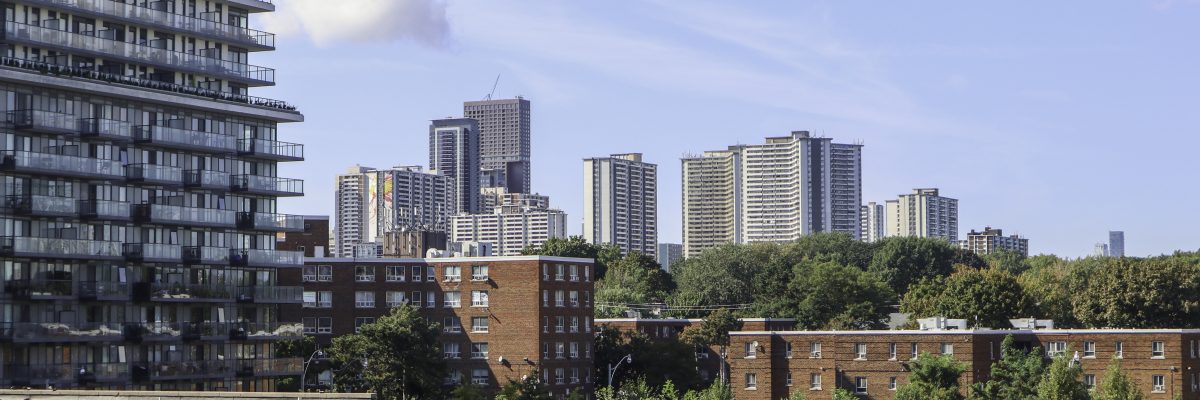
point(770, 365)
point(502, 317)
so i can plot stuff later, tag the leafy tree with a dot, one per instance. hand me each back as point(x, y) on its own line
point(1050, 286)
point(578, 247)
point(835, 247)
point(1140, 293)
point(299, 348)
point(843, 394)
point(832, 296)
point(932, 378)
point(714, 331)
point(721, 275)
point(1014, 376)
point(797, 396)
point(401, 356)
point(1061, 381)
point(658, 361)
point(988, 297)
point(969, 258)
point(468, 392)
point(633, 279)
point(717, 391)
point(902, 261)
point(1117, 385)
point(529, 388)
point(1007, 260)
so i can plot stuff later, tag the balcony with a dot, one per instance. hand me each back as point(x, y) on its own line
point(265, 258)
point(193, 255)
point(268, 185)
point(204, 179)
point(40, 289)
point(271, 331)
point(183, 139)
point(104, 210)
point(58, 332)
point(245, 37)
point(40, 206)
point(270, 367)
point(152, 252)
point(182, 370)
point(105, 129)
point(103, 291)
point(154, 174)
point(270, 149)
point(24, 246)
point(270, 222)
point(173, 292)
point(98, 46)
point(60, 165)
point(40, 374)
point(183, 216)
point(271, 294)
point(102, 373)
point(41, 121)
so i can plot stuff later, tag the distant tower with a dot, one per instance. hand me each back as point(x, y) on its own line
point(924, 213)
point(620, 202)
point(1101, 250)
point(1116, 243)
point(454, 153)
point(505, 148)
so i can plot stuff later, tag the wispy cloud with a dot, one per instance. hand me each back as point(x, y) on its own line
point(379, 21)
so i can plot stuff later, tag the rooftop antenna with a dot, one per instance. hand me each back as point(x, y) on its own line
point(494, 85)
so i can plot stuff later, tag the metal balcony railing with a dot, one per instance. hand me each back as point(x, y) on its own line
point(104, 209)
point(99, 290)
point(273, 366)
point(205, 255)
point(27, 332)
point(102, 372)
point(268, 185)
point(41, 206)
point(185, 216)
point(205, 179)
point(101, 46)
point(272, 331)
point(152, 252)
point(61, 165)
point(40, 289)
point(171, 21)
point(42, 121)
point(270, 222)
point(270, 149)
point(265, 258)
point(24, 246)
point(184, 370)
point(183, 138)
point(40, 374)
point(105, 128)
point(194, 293)
point(272, 294)
point(154, 174)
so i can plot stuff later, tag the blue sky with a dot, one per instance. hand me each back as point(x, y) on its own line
point(1055, 120)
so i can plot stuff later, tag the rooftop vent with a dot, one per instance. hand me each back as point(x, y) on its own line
point(941, 323)
point(1032, 323)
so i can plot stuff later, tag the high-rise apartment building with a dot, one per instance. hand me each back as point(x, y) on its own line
point(374, 202)
point(873, 222)
point(993, 240)
point(510, 229)
point(504, 141)
point(788, 187)
point(454, 153)
point(712, 201)
point(668, 254)
point(1116, 243)
point(620, 202)
point(140, 195)
point(924, 213)
point(499, 196)
point(1101, 250)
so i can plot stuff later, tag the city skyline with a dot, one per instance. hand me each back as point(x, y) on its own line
point(1016, 110)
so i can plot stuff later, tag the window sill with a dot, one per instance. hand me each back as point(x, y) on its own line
point(751, 388)
point(1158, 358)
point(814, 389)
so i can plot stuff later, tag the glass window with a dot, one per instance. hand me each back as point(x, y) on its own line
point(558, 272)
point(789, 379)
point(573, 296)
point(1089, 381)
point(394, 273)
point(479, 324)
point(948, 348)
point(430, 276)
point(574, 273)
point(860, 384)
point(452, 273)
point(1089, 349)
point(324, 273)
point(915, 351)
point(364, 273)
point(360, 321)
point(479, 377)
point(310, 325)
point(479, 350)
point(416, 299)
point(325, 299)
point(396, 299)
point(891, 351)
point(860, 351)
point(814, 381)
point(892, 383)
point(479, 298)
point(1055, 349)
point(325, 325)
point(1159, 384)
point(310, 273)
point(430, 299)
point(479, 273)
point(452, 299)
point(364, 299)
point(559, 298)
point(1119, 350)
point(451, 325)
point(1157, 349)
point(751, 381)
point(574, 350)
point(814, 350)
point(751, 349)
point(416, 273)
point(451, 350)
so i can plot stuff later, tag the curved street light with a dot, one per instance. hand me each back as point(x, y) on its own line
point(612, 369)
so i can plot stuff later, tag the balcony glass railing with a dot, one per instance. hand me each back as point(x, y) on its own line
point(138, 53)
point(40, 373)
point(272, 294)
point(187, 369)
point(150, 16)
point(103, 209)
point(42, 120)
point(152, 252)
point(40, 205)
point(103, 290)
point(24, 246)
point(270, 222)
point(183, 138)
point(103, 372)
point(105, 128)
point(274, 330)
point(276, 366)
point(206, 179)
point(152, 173)
point(57, 164)
point(268, 185)
point(192, 216)
point(205, 255)
point(40, 288)
point(62, 331)
point(271, 149)
point(266, 258)
point(182, 292)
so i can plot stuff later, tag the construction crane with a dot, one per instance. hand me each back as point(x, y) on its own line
point(494, 85)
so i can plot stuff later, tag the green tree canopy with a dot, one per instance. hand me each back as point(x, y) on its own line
point(633, 279)
point(397, 354)
point(713, 331)
point(932, 378)
point(722, 275)
point(902, 261)
point(1159, 292)
point(987, 297)
point(1014, 376)
point(1061, 381)
point(577, 247)
point(832, 296)
point(528, 388)
point(1116, 385)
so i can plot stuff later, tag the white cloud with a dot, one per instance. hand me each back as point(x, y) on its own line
point(420, 21)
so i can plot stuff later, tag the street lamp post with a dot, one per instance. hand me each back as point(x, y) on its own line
point(304, 376)
point(612, 369)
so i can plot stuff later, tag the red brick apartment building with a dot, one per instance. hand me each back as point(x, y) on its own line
point(770, 365)
point(502, 317)
point(709, 359)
